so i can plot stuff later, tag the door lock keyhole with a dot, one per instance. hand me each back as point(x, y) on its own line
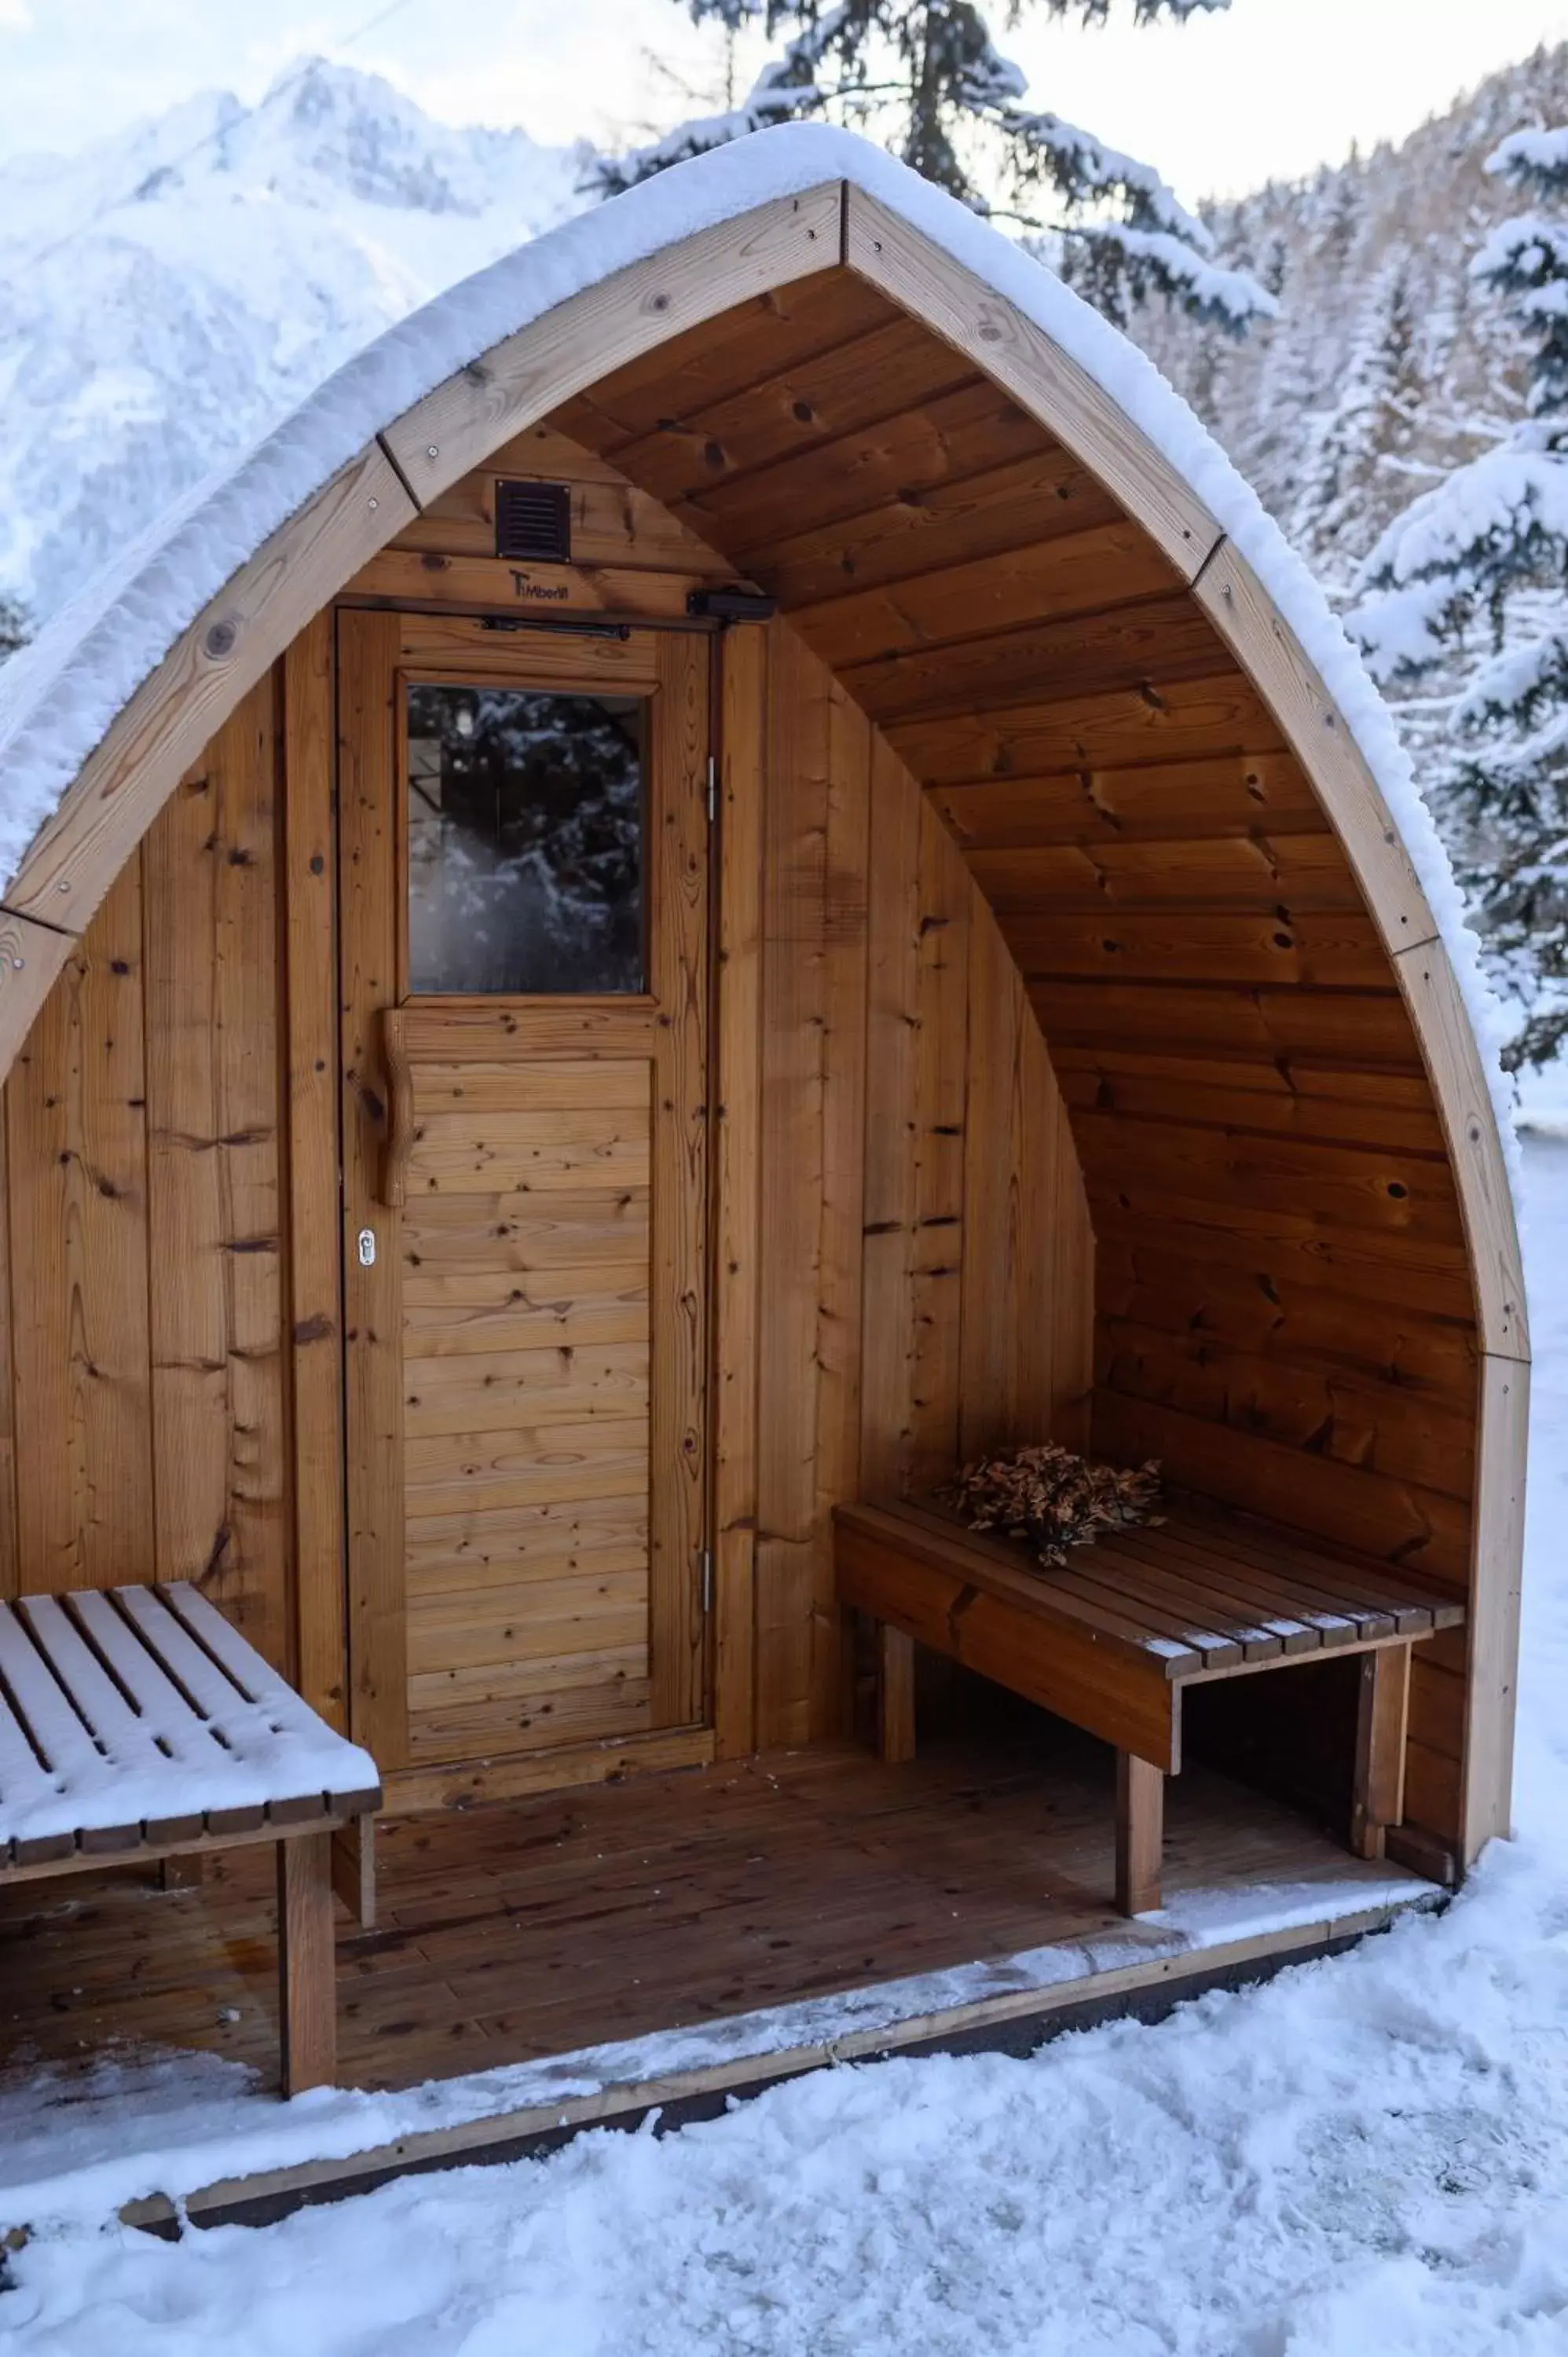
point(367, 1247)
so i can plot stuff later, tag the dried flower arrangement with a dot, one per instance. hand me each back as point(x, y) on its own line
point(1053, 1500)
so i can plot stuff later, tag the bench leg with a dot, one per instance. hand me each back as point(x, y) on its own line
point(895, 1694)
point(354, 1869)
point(1140, 1833)
point(1382, 1714)
point(306, 1964)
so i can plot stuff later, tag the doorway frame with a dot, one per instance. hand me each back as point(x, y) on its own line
point(323, 822)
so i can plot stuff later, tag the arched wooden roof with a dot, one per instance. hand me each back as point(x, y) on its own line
point(820, 368)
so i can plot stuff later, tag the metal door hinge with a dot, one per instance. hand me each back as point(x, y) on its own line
point(712, 788)
point(706, 1570)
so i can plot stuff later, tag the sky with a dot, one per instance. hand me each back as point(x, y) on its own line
point(1270, 88)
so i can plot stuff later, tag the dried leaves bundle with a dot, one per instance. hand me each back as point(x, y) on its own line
point(1053, 1500)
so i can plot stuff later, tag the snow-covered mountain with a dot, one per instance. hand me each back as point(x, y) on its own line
point(170, 295)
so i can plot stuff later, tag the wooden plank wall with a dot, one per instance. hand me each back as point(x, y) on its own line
point(144, 1135)
point(926, 1272)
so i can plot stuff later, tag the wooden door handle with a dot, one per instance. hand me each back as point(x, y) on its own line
point(398, 1143)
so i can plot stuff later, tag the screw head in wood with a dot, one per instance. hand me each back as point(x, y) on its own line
point(433, 450)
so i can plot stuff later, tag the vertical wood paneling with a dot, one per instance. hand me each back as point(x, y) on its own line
point(994, 1263)
point(794, 1019)
point(314, 1262)
point(678, 1272)
point(738, 1182)
point(1039, 1147)
point(194, 1536)
point(77, 1151)
point(1069, 1315)
point(215, 1209)
point(941, 1066)
point(368, 652)
point(836, 1452)
point(891, 1046)
point(911, 1184)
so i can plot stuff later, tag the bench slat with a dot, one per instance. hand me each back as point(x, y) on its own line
point(198, 1761)
point(26, 1785)
point(127, 1724)
point(125, 1736)
point(1383, 1587)
point(1329, 1626)
point(993, 1564)
point(1085, 1586)
point(1160, 1604)
point(257, 1778)
point(1119, 1693)
point(277, 1723)
point(1242, 1610)
point(1340, 1585)
point(54, 1727)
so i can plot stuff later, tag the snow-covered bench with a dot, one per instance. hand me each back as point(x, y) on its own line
point(137, 1722)
point(1112, 1638)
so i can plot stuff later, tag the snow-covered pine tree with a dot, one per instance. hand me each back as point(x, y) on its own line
point(925, 77)
point(16, 628)
point(1487, 550)
point(1356, 445)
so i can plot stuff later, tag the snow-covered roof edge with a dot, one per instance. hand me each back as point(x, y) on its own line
point(59, 696)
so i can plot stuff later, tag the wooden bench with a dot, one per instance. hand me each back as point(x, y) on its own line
point(135, 1723)
point(1112, 1640)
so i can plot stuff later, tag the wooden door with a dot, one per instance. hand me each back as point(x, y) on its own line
point(524, 966)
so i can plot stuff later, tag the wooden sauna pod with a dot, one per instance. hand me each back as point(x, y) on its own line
point(1063, 1040)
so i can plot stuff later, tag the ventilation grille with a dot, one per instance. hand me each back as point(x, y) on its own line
point(533, 521)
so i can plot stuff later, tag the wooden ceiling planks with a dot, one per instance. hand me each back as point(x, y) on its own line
point(1043, 497)
point(1076, 655)
point(971, 430)
point(722, 356)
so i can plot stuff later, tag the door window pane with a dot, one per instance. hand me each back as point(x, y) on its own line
point(525, 841)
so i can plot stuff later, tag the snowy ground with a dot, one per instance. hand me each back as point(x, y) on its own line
point(1368, 2154)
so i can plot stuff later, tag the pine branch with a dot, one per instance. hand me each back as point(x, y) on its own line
point(928, 73)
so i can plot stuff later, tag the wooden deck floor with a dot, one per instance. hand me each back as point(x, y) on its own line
point(541, 1926)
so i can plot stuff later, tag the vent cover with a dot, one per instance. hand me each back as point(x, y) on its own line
point(533, 521)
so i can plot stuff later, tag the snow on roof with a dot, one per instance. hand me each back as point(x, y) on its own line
point(59, 696)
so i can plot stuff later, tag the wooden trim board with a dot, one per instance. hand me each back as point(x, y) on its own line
point(904, 2016)
point(177, 712)
point(568, 348)
point(409, 1791)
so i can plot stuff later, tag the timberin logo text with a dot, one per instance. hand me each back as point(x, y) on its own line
point(549, 591)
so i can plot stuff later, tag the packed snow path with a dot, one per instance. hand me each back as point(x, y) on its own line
point(1369, 2153)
